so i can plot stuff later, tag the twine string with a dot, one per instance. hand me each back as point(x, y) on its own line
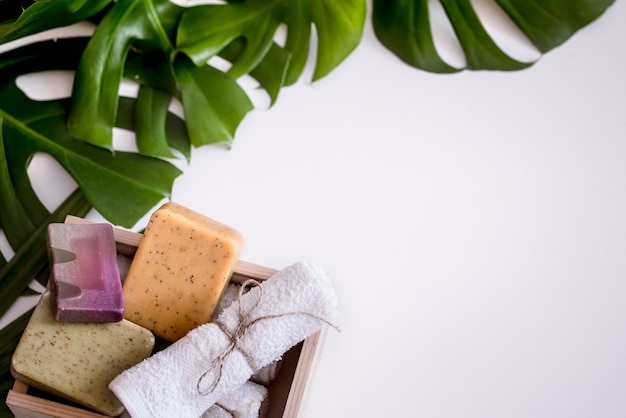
point(229, 411)
point(245, 323)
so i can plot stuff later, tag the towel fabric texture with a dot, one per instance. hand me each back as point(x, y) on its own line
point(230, 294)
point(245, 402)
point(211, 361)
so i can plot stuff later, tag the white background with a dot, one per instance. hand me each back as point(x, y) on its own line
point(473, 224)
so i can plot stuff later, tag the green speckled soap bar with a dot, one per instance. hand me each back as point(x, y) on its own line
point(78, 360)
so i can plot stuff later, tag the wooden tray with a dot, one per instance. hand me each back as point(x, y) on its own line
point(285, 393)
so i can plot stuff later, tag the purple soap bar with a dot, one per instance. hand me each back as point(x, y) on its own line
point(84, 274)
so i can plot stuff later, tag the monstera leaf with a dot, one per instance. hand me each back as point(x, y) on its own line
point(404, 26)
point(204, 32)
point(43, 15)
point(187, 38)
point(30, 126)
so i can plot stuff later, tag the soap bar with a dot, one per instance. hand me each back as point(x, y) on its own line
point(77, 361)
point(182, 265)
point(84, 273)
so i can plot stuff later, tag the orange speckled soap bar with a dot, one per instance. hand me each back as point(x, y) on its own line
point(78, 360)
point(182, 265)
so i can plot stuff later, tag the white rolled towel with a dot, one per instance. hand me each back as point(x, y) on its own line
point(245, 402)
point(211, 361)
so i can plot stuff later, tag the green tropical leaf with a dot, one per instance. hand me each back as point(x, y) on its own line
point(14, 220)
point(339, 27)
point(20, 180)
point(143, 33)
point(151, 67)
point(107, 179)
point(481, 51)
point(122, 186)
point(45, 15)
point(270, 73)
point(99, 74)
point(214, 103)
point(404, 27)
point(549, 24)
point(204, 31)
point(175, 129)
point(152, 109)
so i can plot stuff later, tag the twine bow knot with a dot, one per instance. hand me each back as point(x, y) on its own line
point(246, 321)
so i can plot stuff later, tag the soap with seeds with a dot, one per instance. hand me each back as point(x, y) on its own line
point(84, 273)
point(77, 360)
point(183, 263)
